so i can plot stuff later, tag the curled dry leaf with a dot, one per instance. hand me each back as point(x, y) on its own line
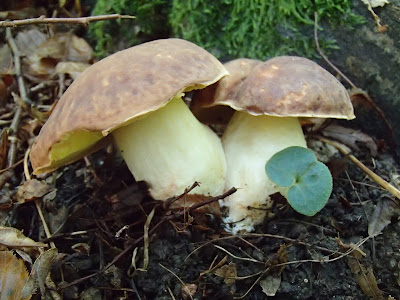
point(270, 284)
point(350, 137)
point(74, 69)
point(364, 275)
point(382, 215)
point(13, 276)
point(32, 189)
point(40, 270)
point(43, 54)
point(375, 3)
point(13, 238)
point(228, 272)
point(365, 278)
point(6, 61)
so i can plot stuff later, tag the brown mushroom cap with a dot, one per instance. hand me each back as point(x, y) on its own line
point(289, 86)
point(205, 102)
point(117, 90)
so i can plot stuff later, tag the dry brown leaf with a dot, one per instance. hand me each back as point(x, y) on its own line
point(382, 215)
point(350, 137)
point(29, 40)
point(13, 276)
point(228, 272)
point(375, 3)
point(32, 189)
point(40, 271)
point(74, 69)
point(188, 290)
point(365, 278)
point(270, 284)
point(43, 54)
point(6, 61)
point(13, 238)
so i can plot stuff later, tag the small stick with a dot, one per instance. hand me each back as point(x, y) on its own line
point(83, 20)
point(28, 177)
point(138, 240)
point(379, 180)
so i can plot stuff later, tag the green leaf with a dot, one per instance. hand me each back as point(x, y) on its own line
point(306, 182)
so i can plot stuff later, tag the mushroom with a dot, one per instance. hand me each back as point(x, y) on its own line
point(136, 95)
point(203, 101)
point(268, 105)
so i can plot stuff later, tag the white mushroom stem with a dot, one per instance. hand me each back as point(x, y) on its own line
point(170, 150)
point(249, 142)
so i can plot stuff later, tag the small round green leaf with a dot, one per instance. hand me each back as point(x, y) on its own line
point(308, 181)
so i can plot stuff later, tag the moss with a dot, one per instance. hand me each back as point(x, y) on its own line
point(256, 28)
point(227, 28)
point(109, 37)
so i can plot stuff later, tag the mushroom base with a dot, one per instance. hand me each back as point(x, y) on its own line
point(249, 142)
point(170, 150)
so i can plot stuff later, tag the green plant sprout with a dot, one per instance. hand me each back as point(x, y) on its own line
point(304, 181)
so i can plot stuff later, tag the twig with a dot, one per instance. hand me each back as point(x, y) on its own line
point(138, 240)
point(176, 276)
point(28, 177)
point(17, 62)
point(323, 55)
point(379, 180)
point(83, 20)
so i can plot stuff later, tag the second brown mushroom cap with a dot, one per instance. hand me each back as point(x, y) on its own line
point(268, 103)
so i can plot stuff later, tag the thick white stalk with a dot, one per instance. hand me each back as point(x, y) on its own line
point(249, 142)
point(170, 150)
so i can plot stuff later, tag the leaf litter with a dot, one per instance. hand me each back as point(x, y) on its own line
point(92, 212)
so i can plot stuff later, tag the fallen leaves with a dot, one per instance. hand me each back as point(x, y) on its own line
point(364, 275)
point(13, 277)
point(350, 137)
point(40, 271)
point(43, 54)
point(13, 238)
point(32, 189)
point(382, 215)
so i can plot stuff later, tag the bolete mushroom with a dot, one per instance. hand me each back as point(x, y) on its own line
point(135, 95)
point(204, 101)
point(268, 104)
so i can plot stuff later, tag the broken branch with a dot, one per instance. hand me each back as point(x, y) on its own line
point(82, 20)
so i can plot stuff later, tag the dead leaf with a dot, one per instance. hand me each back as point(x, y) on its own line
point(228, 272)
point(188, 290)
point(350, 137)
point(365, 278)
point(13, 238)
point(42, 54)
point(270, 284)
point(39, 273)
point(382, 215)
point(29, 40)
point(13, 276)
point(74, 69)
point(32, 189)
point(375, 3)
point(6, 61)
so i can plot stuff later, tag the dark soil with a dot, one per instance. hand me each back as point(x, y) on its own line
point(180, 252)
